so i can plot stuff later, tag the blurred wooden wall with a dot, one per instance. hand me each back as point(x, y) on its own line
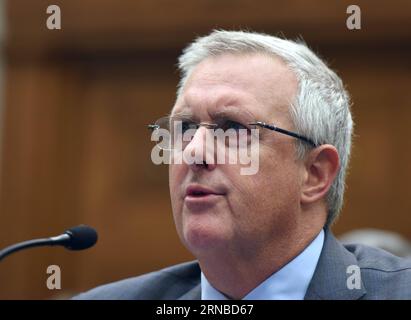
point(76, 149)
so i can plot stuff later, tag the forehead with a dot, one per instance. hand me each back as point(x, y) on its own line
point(259, 84)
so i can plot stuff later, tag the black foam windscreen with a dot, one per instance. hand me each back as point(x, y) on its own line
point(81, 237)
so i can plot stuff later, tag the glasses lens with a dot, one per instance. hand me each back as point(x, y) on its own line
point(161, 134)
point(163, 123)
point(173, 132)
point(234, 134)
point(176, 132)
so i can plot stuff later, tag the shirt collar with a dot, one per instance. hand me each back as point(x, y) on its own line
point(289, 283)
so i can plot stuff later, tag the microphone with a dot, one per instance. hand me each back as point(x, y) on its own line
point(76, 238)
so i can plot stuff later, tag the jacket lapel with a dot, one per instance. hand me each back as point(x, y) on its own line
point(330, 277)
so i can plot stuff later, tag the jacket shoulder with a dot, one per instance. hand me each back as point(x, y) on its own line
point(168, 283)
point(384, 275)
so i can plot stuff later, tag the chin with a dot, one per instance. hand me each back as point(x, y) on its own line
point(202, 238)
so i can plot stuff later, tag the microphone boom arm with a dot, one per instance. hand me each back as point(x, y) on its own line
point(76, 238)
point(29, 244)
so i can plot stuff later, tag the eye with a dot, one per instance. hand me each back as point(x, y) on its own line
point(229, 124)
point(187, 125)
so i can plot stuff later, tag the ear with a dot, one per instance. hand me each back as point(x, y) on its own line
point(321, 166)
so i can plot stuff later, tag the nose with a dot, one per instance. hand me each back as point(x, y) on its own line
point(200, 150)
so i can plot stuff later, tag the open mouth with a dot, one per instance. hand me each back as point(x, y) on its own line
point(198, 194)
point(199, 198)
point(197, 191)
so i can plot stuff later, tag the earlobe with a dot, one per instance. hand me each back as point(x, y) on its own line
point(321, 168)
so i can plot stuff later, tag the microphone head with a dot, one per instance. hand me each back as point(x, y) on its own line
point(81, 237)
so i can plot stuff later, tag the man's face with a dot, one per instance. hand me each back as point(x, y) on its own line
point(246, 212)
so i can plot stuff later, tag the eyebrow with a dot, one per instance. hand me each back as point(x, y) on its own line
point(182, 114)
point(239, 113)
point(224, 111)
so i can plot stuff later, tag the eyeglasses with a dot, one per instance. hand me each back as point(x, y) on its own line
point(286, 132)
point(182, 129)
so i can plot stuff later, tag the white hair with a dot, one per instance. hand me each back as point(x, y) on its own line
point(321, 110)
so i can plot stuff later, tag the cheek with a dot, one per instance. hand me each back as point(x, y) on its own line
point(176, 174)
point(279, 176)
point(273, 190)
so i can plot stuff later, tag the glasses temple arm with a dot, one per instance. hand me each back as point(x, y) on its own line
point(289, 133)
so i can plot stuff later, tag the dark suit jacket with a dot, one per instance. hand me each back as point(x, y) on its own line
point(383, 276)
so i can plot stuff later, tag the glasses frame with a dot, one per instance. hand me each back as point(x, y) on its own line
point(256, 123)
point(286, 132)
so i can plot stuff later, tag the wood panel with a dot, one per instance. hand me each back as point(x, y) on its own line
point(40, 176)
point(75, 144)
point(95, 24)
point(378, 193)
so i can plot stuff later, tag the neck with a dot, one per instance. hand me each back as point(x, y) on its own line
point(236, 274)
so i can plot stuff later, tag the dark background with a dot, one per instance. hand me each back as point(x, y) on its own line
point(76, 102)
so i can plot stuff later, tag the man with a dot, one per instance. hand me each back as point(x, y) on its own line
point(263, 235)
